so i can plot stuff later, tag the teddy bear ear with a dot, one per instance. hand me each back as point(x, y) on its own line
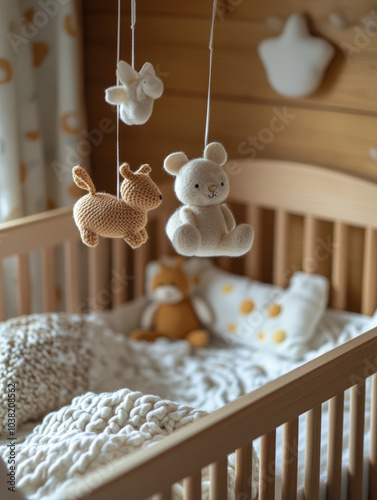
point(216, 152)
point(144, 169)
point(174, 162)
point(125, 171)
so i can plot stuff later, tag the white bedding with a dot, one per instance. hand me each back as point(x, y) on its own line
point(218, 374)
point(209, 378)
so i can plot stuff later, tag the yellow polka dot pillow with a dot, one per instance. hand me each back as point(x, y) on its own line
point(263, 316)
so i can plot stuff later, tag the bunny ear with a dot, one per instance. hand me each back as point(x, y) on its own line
point(126, 73)
point(216, 152)
point(144, 169)
point(125, 171)
point(147, 69)
point(174, 162)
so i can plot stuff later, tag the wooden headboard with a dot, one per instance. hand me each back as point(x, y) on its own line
point(331, 206)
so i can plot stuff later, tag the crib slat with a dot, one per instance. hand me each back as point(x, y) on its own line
point(243, 472)
point(23, 284)
point(2, 297)
point(48, 272)
point(335, 447)
point(369, 290)
point(339, 267)
point(280, 247)
point(99, 276)
point(253, 259)
point(219, 478)
point(193, 486)
point(72, 276)
point(310, 233)
point(355, 468)
point(140, 262)
point(290, 454)
point(373, 442)
point(267, 466)
point(163, 495)
point(312, 453)
point(119, 272)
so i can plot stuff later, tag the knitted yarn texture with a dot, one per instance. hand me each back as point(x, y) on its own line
point(48, 358)
point(204, 226)
point(94, 430)
point(51, 358)
point(102, 214)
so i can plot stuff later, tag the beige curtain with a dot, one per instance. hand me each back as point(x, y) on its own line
point(42, 118)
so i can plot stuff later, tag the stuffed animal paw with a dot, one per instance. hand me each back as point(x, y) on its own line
point(204, 226)
point(173, 313)
point(137, 93)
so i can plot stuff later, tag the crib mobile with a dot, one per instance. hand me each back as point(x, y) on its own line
point(125, 215)
point(203, 226)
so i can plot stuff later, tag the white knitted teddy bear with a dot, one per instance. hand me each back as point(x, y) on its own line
point(204, 226)
point(137, 93)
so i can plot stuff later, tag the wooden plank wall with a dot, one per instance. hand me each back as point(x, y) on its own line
point(335, 127)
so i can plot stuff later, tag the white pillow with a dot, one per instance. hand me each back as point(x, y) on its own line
point(264, 316)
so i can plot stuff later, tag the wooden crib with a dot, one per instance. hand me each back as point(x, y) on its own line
point(313, 193)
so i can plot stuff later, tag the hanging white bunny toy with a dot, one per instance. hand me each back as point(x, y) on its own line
point(135, 92)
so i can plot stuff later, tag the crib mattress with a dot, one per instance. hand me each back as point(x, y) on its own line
point(207, 379)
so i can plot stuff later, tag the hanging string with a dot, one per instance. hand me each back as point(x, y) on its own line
point(133, 22)
point(214, 10)
point(118, 106)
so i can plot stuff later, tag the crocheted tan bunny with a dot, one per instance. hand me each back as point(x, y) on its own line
point(102, 214)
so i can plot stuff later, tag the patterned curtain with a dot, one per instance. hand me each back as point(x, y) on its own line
point(42, 117)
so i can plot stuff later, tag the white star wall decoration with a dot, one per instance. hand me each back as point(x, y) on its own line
point(295, 61)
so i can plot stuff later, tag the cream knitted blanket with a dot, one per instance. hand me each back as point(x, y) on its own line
point(53, 358)
point(92, 431)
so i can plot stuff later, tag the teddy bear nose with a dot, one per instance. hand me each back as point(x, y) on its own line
point(212, 188)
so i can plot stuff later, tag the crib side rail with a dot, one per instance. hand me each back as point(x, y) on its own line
point(109, 266)
point(41, 232)
point(37, 231)
point(235, 426)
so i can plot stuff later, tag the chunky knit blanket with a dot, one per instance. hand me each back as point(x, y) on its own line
point(53, 358)
point(92, 431)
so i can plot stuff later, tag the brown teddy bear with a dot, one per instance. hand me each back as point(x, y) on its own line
point(102, 214)
point(173, 313)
